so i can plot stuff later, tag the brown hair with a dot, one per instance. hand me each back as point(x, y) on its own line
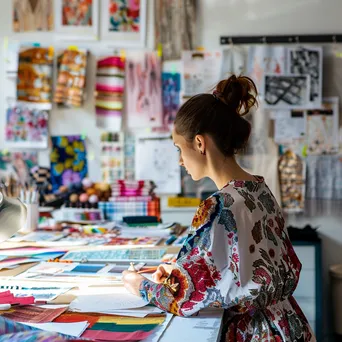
point(220, 114)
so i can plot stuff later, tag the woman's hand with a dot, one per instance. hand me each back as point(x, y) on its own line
point(163, 271)
point(132, 281)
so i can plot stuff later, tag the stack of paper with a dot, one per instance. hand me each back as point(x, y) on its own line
point(70, 329)
point(107, 303)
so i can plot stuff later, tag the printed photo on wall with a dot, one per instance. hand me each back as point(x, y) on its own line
point(68, 160)
point(283, 92)
point(123, 22)
point(144, 90)
point(34, 81)
point(32, 15)
point(308, 61)
point(77, 19)
point(26, 127)
point(322, 128)
point(109, 92)
point(171, 96)
point(71, 78)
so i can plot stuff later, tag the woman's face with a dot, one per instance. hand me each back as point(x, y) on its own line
point(190, 157)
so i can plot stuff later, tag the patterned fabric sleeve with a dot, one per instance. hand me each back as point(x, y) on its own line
point(202, 268)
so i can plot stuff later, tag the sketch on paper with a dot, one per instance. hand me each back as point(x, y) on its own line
point(282, 91)
point(202, 71)
point(144, 90)
point(265, 60)
point(308, 61)
point(322, 128)
point(171, 96)
point(289, 127)
point(26, 127)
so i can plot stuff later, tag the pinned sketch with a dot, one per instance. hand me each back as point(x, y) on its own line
point(157, 159)
point(289, 126)
point(144, 90)
point(26, 127)
point(171, 96)
point(322, 127)
point(282, 92)
point(308, 61)
point(264, 59)
point(202, 71)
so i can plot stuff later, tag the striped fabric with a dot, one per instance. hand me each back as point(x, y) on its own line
point(115, 211)
point(110, 82)
point(11, 331)
point(132, 188)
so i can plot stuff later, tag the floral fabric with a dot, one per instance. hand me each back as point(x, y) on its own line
point(238, 257)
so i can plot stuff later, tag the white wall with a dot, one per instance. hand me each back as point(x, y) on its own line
point(216, 18)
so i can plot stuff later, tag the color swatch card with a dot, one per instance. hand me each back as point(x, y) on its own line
point(68, 160)
point(110, 82)
point(26, 127)
point(144, 90)
point(34, 83)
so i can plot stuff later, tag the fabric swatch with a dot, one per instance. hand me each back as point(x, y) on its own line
point(68, 160)
point(110, 82)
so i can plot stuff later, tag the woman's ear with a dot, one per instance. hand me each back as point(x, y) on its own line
point(200, 143)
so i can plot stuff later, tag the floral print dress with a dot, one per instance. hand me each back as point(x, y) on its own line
point(238, 257)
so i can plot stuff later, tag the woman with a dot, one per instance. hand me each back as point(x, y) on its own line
point(238, 255)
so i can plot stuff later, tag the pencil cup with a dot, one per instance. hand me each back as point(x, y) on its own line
point(32, 218)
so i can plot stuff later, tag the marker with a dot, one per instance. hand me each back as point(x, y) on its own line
point(5, 307)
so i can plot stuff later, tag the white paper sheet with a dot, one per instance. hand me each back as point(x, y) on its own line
point(107, 303)
point(71, 329)
point(204, 327)
point(159, 331)
point(157, 159)
point(202, 71)
point(289, 126)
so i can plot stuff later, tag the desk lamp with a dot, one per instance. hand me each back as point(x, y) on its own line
point(12, 216)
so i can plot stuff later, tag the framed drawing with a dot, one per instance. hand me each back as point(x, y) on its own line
point(77, 19)
point(123, 22)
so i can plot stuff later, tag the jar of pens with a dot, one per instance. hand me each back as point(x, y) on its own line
point(30, 197)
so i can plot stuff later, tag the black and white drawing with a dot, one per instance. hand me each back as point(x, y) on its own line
point(308, 61)
point(281, 92)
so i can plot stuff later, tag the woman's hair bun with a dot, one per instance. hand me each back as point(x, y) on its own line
point(239, 93)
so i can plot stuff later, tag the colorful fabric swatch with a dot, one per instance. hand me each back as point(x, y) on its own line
point(32, 314)
point(144, 90)
point(124, 15)
point(27, 127)
point(171, 96)
point(110, 82)
point(34, 82)
point(68, 160)
point(71, 78)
